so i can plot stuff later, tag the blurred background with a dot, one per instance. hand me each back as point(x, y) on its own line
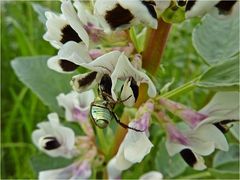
point(21, 35)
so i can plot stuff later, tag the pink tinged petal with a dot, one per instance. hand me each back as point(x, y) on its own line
point(83, 171)
point(82, 116)
point(68, 102)
point(71, 15)
point(95, 53)
point(176, 136)
point(104, 64)
point(128, 50)
point(125, 70)
point(137, 61)
point(152, 175)
point(191, 117)
point(73, 171)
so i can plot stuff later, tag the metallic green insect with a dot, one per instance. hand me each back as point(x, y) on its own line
point(101, 110)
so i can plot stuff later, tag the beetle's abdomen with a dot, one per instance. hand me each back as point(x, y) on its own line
point(101, 116)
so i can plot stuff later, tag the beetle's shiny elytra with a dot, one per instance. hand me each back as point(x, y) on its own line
point(100, 114)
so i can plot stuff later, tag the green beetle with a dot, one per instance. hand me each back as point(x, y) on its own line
point(101, 113)
point(101, 110)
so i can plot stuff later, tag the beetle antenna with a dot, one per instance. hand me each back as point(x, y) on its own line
point(124, 125)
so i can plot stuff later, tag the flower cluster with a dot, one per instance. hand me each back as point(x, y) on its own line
point(116, 72)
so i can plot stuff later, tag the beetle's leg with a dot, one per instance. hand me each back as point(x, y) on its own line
point(121, 101)
point(124, 125)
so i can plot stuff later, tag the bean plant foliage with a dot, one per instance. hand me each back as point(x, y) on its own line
point(102, 59)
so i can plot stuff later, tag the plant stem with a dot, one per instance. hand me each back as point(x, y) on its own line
point(184, 88)
point(155, 44)
point(197, 176)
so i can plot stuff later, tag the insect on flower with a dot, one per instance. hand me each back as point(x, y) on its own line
point(101, 110)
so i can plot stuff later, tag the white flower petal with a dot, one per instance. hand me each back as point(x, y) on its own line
point(69, 102)
point(84, 15)
point(100, 9)
point(61, 65)
point(142, 10)
point(75, 52)
point(112, 169)
point(71, 16)
point(85, 82)
point(73, 171)
point(199, 7)
point(225, 104)
point(54, 130)
point(104, 64)
point(129, 94)
point(122, 162)
point(121, 14)
point(152, 175)
point(209, 132)
point(124, 70)
point(161, 6)
point(55, 23)
point(136, 146)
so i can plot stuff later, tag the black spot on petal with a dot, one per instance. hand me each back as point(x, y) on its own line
point(222, 125)
point(118, 16)
point(69, 34)
point(225, 7)
point(134, 88)
point(67, 65)
point(106, 84)
point(150, 7)
point(87, 80)
point(51, 143)
point(181, 3)
point(190, 4)
point(188, 157)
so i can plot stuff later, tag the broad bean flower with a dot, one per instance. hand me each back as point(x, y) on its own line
point(135, 145)
point(203, 134)
point(54, 139)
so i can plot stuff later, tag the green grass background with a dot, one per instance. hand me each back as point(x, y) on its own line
point(21, 110)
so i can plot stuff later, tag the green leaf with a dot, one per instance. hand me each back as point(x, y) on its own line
point(226, 164)
point(217, 39)
point(169, 166)
point(223, 76)
point(235, 131)
point(45, 83)
point(43, 162)
point(40, 10)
